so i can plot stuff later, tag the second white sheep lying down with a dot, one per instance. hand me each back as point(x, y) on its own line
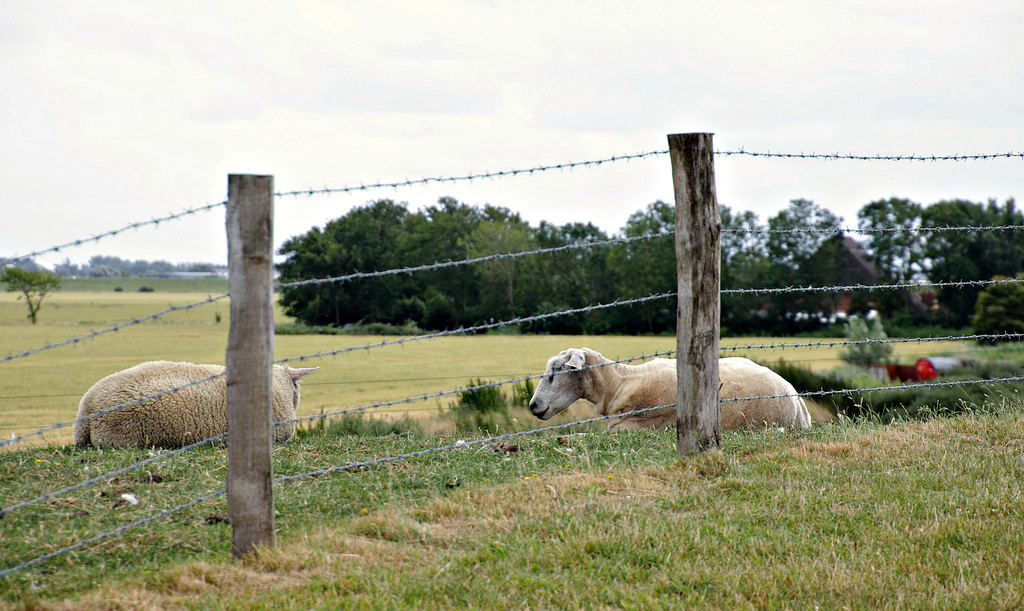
point(617, 388)
point(176, 419)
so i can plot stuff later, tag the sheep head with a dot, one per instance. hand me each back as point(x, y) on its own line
point(562, 385)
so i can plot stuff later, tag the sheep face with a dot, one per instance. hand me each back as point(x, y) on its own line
point(562, 385)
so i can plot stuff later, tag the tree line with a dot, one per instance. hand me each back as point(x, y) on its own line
point(899, 245)
point(101, 266)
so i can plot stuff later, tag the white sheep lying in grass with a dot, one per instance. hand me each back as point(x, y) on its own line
point(176, 419)
point(619, 388)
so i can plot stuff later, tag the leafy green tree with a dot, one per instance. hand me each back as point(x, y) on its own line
point(33, 286)
point(571, 279)
point(870, 352)
point(364, 240)
point(799, 257)
point(957, 255)
point(502, 231)
point(744, 266)
point(798, 233)
point(1000, 309)
point(644, 267)
point(442, 233)
point(896, 248)
point(896, 254)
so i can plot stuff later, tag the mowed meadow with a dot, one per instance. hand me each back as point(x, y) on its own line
point(854, 514)
point(44, 388)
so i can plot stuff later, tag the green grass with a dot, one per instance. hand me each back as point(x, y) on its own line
point(855, 515)
point(132, 284)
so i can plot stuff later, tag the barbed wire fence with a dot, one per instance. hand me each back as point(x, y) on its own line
point(483, 328)
point(517, 172)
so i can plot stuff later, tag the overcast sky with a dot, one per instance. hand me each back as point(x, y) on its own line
point(114, 112)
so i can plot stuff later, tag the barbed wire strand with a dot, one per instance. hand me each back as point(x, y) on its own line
point(510, 255)
point(839, 156)
point(888, 340)
point(872, 230)
point(992, 337)
point(597, 162)
point(445, 393)
point(627, 240)
point(634, 301)
point(287, 478)
point(479, 387)
point(457, 445)
point(115, 328)
point(276, 423)
point(472, 176)
point(115, 473)
point(483, 327)
point(517, 172)
point(114, 232)
point(18, 438)
point(869, 287)
point(871, 389)
point(116, 531)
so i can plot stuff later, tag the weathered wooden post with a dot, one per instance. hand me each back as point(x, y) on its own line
point(698, 262)
point(250, 214)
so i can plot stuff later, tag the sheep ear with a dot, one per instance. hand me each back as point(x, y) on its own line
point(577, 360)
point(298, 374)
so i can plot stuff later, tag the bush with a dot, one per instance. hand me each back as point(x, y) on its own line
point(480, 409)
point(483, 398)
point(934, 400)
point(918, 402)
point(522, 392)
point(376, 328)
point(439, 311)
point(359, 425)
point(1000, 309)
point(804, 380)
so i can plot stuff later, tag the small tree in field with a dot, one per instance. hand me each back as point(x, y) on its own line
point(33, 285)
point(869, 352)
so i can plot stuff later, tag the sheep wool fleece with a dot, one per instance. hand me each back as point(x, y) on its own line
point(179, 418)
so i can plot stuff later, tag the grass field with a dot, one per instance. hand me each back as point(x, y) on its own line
point(44, 388)
point(858, 516)
point(851, 515)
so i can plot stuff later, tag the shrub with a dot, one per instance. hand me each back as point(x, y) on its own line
point(804, 380)
point(359, 425)
point(917, 402)
point(522, 392)
point(480, 409)
point(483, 398)
point(376, 328)
point(1000, 309)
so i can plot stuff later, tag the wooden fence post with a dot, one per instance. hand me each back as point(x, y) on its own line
point(698, 262)
point(250, 214)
